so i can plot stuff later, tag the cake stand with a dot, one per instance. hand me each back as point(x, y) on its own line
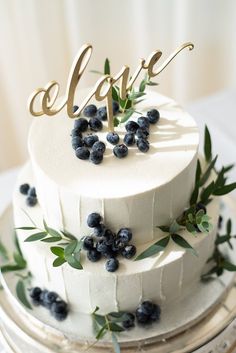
point(204, 323)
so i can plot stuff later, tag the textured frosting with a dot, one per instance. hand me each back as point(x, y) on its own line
point(140, 191)
point(163, 278)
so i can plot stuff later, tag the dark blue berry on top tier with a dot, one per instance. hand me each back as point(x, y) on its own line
point(112, 265)
point(32, 192)
point(142, 133)
point(147, 312)
point(35, 293)
point(89, 140)
point(99, 146)
point(96, 157)
point(102, 113)
point(42, 297)
point(75, 107)
point(120, 151)
point(94, 219)
point(77, 142)
point(129, 139)
point(113, 138)
point(59, 310)
point(129, 321)
point(115, 107)
point(93, 255)
point(24, 188)
point(82, 153)
point(143, 145)
point(99, 231)
point(128, 251)
point(153, 116)
point(49, 299)
point(102, 247)
point(90, 110)
point(132, 126)
point(95, 124)
point(143, 122)
point(76, 132)
point(117, 245)
point(31, 201)
point(88, 243)
point(125, 235)
point(81, 124)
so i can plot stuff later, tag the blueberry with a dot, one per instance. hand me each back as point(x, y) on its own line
point(81, 124)
point(102, 113)
point(120, 151)
point(147, 307)
point(112, 265)
point(49, 299)
point(76, 132)
point(143, 145)
point(93, 255)
point(129, 320)
point(24, 188)
point(75, 107)
point(102, 247)
point(95, 124)
point(32, 192)
point(90, 139)
point(132, 126)
point(109, 236)
point(129, 139)
point(156, 313)
point(147, 312)
point(113, 138)
point(99, 146)
point(201, 206)
point(115, 107)
point(90, 110)
point(31, 201)
point(141, 317)
point(99, 231)
point(96, 157)
point(117, 245)
point(88, 243)
point(94, 219)
point(110, 254)
point(142, 133)
point(82, 153)
point(35, 293)
point(125, 235)
point(77, 142)
point(59, 310)
point(129, 251)
point(42, 297)
point(143, 122)
point(153, 116)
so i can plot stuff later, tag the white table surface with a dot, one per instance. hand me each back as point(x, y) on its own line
point(217, 111)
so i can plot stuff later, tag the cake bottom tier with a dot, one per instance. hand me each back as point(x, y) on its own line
point(163, 278)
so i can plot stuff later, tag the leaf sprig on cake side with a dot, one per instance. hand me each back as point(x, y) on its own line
point(195, 219)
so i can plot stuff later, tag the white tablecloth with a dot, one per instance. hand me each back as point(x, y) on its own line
point(217, 111)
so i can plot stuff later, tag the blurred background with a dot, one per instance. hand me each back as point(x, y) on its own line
point(39, 39)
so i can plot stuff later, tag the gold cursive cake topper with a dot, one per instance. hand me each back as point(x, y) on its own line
point(102, 89)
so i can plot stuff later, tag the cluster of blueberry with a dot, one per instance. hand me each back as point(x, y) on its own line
point(31, 198)
point(146, 313)
point(50, 300)
point(106, 243)
point(82, 145)
point(137, 133)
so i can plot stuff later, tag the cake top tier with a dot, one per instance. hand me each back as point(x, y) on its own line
point(173, 145)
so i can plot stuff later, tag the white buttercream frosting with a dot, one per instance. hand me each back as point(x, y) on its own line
point(140, 191)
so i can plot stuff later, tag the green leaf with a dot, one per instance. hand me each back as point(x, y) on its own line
point(220, 180)
point(194, 195)
point(19, 260)
point(228, 266)
point(53, 232)
point(96, 72)
point(107, 70)
point(17, 245)
point(151, 83)
point(142, 85)
point(58, 262)
point(3, 251)
point(36, 236)
point(51, 239)
point(174, 227)
point(207, 173)
point(102, 332)
point(207, 192)
point(154, 249)
point(10, 268)
point(228, 168)
point(127, 115)
point(69, 249)
point(190, 228)
point(25, 228)
point(68, 235)
point(198, 172)
point(21, 294)
point(101, 321)
point(222, 239)
point(115, 94)
point(115, 328)
point(136, 95)
point(58, 251)
point(115, 343)
point(229, 226)
point(225, 189)
point(165, 229)
point(73, 262)
point(207, 145)
point(183, 243)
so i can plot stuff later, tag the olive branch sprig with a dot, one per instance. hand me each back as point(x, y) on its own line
point(195, 219)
